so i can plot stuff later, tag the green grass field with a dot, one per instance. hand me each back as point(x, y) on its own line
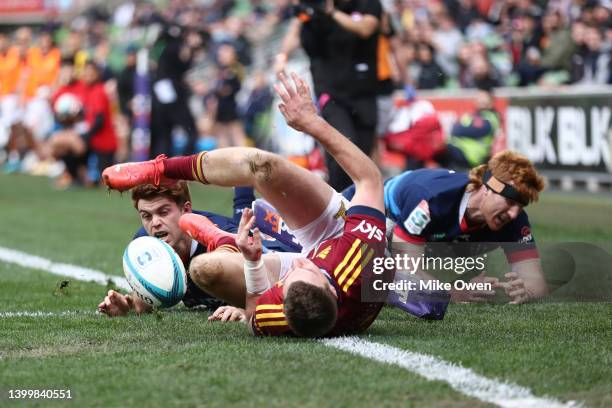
point(176, 357)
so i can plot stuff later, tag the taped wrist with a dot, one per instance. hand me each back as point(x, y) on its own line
point(255, 277)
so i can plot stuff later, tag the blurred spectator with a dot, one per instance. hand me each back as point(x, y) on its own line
point(407, 62)
point(125, 84)
point(431, 76)
point(170, 92)
point(552, 53)
point(85, 139)
point(472, 136)
point(7, 65)
point(388, 78)
point(13, 76)
point(525, 36)
point(125, 95)
point(65, 143)
point(465, 11)
point(15, 80)
point(415, 130)
point(73, 47)
point(464, 54)
point(228, 126)
point(446, 40)
point(257, 110)
point(234, 30)
point(478, 30)
point(100, 135)
point(482, 74)
point(592, 64)
point(43, 65)
point(557, 43)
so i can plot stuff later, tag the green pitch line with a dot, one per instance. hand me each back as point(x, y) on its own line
point(556, 349)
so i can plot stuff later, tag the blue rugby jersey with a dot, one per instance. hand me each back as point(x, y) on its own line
point(425, 205)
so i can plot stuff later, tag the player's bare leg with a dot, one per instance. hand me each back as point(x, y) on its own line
point(221, 274)
point(299, 196)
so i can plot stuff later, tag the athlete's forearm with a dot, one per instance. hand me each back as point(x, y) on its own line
point(363, 28)
point(359, 167)
point(250, 303)
point(531, 272)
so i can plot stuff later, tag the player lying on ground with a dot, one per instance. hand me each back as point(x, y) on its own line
point(163, 211)
point(320, 293)
point(485, 206)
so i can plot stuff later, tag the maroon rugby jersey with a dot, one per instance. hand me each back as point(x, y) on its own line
point(345, 258)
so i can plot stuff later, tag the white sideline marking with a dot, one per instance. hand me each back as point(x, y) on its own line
point(44, 314)
point(463, 380)
point(62, 269)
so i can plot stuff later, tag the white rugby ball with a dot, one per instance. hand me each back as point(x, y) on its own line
point(67, 105)
point(154, 271)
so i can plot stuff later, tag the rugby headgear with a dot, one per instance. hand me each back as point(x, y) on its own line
point(503, 189)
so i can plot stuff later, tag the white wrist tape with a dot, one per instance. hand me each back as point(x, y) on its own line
point(255, 277)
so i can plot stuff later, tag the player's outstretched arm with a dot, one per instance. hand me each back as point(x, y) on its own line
point(300, 113)
point(255, 271)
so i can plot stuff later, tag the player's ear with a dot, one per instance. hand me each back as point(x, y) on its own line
point(187, 207)
point(332, 290)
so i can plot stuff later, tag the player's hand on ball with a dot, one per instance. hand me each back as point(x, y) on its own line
point(297, 106)
point(251, 247)
point(228, 314)
point(114, 304)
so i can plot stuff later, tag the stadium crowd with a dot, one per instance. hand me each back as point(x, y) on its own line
point(226, 48)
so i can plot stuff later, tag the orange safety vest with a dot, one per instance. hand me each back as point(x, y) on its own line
point(43, 70)
point(384, 65)
point(10, 71)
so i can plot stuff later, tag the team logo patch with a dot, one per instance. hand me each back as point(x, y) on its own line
point(323, 254)
point(418, 218)
point(341, 211)
point(526, 235)
point(372, 231)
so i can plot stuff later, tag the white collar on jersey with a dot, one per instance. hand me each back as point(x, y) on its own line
point(463, 205)
point(194, 248)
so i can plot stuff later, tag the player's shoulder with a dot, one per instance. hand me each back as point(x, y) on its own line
point(140, 233)
point(438, 179)
point(426, 184)
point(518, 230)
